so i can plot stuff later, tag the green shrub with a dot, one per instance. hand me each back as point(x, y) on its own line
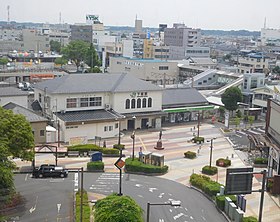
point(198, 139)
point(261, 160)
point(118, 209)
point(250, 219)
point(95, 166)
point(138, 166)
point(86, 208)
point(92, 147)
point(220, 201)
point(205, 184)
point(190, 155)
point(223, 162)
point(209, 170)
point(117, 146)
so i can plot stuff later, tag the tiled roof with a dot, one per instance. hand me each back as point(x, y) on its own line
point(12, 91)
point(95, 82)
point(29, 114)
point(182, 96)
point(89, 115)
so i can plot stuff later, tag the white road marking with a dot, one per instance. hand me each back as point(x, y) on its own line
point(34, 207)
point(152, 189)
point(161, 220)
point(191, 217)
point(140, 196)
point(58, 208)
point(251, 131)
point(203, 218)
point(186, 209)
point(170, 210)
point(26, 177)
point(138, 185)
point(160, 196)
point(178, 216)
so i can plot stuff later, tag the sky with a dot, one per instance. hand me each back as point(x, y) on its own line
point(204, 14)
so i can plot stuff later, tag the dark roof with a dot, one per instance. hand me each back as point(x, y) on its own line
point(29, 114)
point(36, 106)
point(12, 91)
point(182, 96)
point(88, 115)
point(95, 82)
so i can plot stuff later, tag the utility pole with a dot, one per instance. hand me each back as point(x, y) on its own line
point(82, 193)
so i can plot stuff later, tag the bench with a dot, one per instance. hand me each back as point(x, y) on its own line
point(73, 153)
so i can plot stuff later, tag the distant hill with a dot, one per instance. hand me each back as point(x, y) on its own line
point(231, 33)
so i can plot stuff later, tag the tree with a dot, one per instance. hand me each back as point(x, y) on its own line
point(3, 61)
point(60, 61)
point(55, 46)
point(16, 139)
point(92, 60)
point(276, 70)
point(76, 51)
point(231, 97)
point(116, 208)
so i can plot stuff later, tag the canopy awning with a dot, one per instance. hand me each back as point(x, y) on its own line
point(188, 109)
point(50, 129)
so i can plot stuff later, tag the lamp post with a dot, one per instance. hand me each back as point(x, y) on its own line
point(211, 149)
point(198, 123)
point(133, 144)
point(171, 203)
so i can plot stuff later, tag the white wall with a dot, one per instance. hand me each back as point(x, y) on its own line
point(127, 48)
point(19, 100)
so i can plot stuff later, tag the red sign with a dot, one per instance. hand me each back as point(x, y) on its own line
point(120, 163)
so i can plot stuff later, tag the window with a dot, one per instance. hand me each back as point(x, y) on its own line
point(116, 126)
point(133, 104)
point(163, 67)
point(138, 103)
point(144, 103)
point(42, 132)
point(127, 104)
point(71, 103)
point(40, 98)
point(150, 102)
point(105, 128)
point(95, 101)
point(84, 102)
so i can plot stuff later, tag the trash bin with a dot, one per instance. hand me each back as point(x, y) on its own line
point(96, 156)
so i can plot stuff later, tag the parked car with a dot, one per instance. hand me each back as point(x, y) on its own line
point(49, 170)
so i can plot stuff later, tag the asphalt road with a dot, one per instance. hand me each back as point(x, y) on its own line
point(52, 199)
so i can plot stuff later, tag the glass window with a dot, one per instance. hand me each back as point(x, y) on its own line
point(139, 103)
point(40, 98)
point(71, 103)
point(133, 104)
point(42, 132)
point(105, 128)
point(127, 104)
point(110, 128)
point(150, 102)
point(144, 103)
point(83, 102)
point(116, 126)
point(95, 101)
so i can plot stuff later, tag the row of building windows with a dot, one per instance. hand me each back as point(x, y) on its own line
point(139, 103)
point(83, 102)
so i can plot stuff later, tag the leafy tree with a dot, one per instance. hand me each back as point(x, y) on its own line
point(237, 121)
point(60, 61)
point(231, 97)
point(92, 60)
point(276, 70)
point(76, 51)
point(3, 61)
point(239, 114)
point(222, 111)
point(251, 120)
point(55, 46)
point(117, 209)
point(16, 139)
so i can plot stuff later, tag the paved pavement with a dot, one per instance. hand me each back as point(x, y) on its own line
point(175, 141)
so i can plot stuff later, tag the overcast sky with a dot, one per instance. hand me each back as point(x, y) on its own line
point(205, 14)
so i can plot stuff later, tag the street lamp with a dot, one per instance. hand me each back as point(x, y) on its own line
point(198, 123)
point(171, 203)
point(211, 149)
point(133, 143)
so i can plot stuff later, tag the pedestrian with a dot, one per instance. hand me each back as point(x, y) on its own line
point(194, 127)
point(191, 129)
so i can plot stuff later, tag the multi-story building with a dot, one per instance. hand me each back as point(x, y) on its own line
point(270, 36)
point(253, 63)
point(81, 32)
point(34, 41)
point(100, 104)
point(157, 71)
point(62, 37)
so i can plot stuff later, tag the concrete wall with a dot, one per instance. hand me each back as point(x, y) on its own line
point(36, 128)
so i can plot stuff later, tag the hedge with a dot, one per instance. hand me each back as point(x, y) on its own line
point(95, 166)
point(198, 139)
point(92, 147)
point(137, 166)
point(220, 201)
point(209, 170)
point(86, 208)
point(205, 184)
point(117, 146)
point(190, 155)
point(223, 162)
point(118, 209)
point(260, 160)
point(250, 219)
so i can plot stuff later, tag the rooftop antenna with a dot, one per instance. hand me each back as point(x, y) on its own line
point(264, 22)
point(8, 9)
point(60, 18)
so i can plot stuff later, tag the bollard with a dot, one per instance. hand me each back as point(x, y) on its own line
point(232, 155)
point(227, 202)
point(231, 210)
point(238, 216)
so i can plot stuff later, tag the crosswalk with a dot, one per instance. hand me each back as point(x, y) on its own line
point(252, 131)
point(106, 183)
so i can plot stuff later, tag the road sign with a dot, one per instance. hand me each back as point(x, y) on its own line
point(239, 181)
point(119, 163)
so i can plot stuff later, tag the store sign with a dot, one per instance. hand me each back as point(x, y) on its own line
point(92, 17)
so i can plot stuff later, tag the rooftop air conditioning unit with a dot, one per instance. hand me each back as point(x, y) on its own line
point(107, 106)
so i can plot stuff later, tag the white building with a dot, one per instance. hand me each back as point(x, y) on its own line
point(270, 36)
point(14, 95)
point(89, 105)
